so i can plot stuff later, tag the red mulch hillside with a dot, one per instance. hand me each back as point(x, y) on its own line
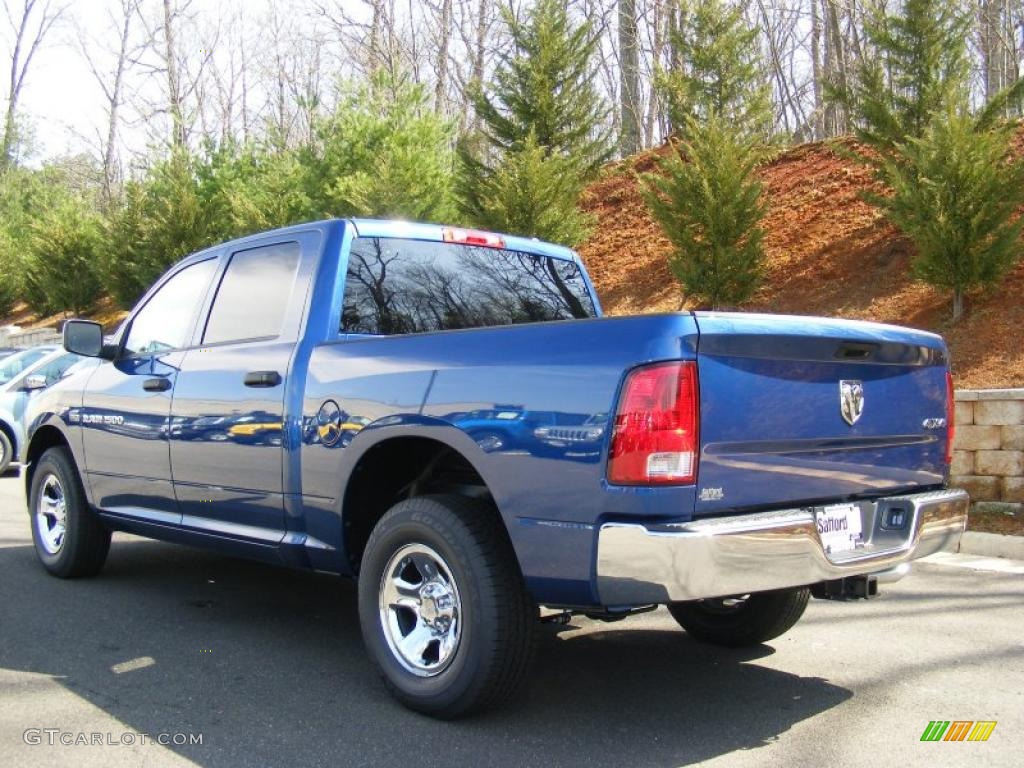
point(828, 253)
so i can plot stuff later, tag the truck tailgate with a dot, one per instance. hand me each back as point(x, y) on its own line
point(795, 411)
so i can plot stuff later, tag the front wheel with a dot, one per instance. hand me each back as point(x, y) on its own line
point(6, 452)
point(69, 539)
point(744, 620)
point(443, 608)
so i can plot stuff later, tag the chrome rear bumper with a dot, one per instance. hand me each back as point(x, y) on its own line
point(639, 564)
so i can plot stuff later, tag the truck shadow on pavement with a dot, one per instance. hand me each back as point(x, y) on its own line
point(268, 665)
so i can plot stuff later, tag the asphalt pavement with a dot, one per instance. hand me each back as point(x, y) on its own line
point(266, 667)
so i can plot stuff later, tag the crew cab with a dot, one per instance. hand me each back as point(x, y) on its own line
point(445, 416)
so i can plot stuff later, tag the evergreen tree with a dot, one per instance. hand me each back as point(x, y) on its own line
point(952, 188)
point(708, 203)
point(706, 198)
point(720, 70)
point(61, 273)
point(167, 216)
point(18, 200)
point(955, 191)
point(384, 152)
point(530, 193)
point(8, 274)
point(543, 86)
point(256, 188)
point(542, 136)
point(917, 69)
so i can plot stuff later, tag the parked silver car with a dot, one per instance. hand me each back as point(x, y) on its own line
point(20, 376)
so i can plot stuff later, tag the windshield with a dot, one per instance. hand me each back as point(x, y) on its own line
point(413, 286)
point(15, 364)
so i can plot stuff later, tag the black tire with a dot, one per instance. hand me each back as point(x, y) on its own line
point(496, 618)
point(82, 550)
point(761, 617)
point(6, 452)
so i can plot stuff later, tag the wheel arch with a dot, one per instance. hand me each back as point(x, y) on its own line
point(43, 438)
point(399, 464)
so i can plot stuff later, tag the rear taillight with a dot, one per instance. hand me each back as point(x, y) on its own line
point(950, 413)
point(655, 433)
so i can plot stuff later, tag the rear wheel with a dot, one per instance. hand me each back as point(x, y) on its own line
point(443, 608)
point(69, 539)
point(743, 620)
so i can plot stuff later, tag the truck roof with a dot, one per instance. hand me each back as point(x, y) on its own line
point(399, 229)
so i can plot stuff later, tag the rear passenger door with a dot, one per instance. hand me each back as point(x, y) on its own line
point(228, 415)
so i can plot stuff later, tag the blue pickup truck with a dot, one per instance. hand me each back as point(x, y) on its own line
point(443, 415)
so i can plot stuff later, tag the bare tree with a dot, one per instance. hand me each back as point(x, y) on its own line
point(835, 71)
point(112, 82)
point(26, 44)
point(180, 71)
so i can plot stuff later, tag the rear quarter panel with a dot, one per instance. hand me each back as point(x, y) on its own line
point(551, 493)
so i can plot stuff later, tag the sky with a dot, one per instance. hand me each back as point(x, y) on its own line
point(61, 98)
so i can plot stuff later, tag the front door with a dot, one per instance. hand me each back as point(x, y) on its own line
point(127, 403)
point(228, 415)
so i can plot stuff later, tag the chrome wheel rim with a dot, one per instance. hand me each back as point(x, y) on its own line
point(51, 514)
point(420, 610)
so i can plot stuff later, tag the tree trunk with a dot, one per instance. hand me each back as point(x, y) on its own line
point(958, 304)
point(657, 50)
point(991, 50)
point(478, 53)
point(629, 79)
point(375, 58)
point(441, 90)
point(175, 107)
point(818, 116)
point(835, 68)
point(110, 152)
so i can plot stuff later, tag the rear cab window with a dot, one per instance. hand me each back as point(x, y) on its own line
point(396, 286)
point(252, 298)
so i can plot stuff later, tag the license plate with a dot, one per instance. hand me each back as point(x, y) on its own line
point(839, 527)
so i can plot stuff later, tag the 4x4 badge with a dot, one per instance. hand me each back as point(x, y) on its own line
point(851, 400)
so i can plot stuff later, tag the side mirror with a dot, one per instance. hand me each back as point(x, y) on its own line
point(34, 382)
point(84, 337)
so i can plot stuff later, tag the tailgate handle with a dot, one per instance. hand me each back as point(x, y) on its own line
point(852, 350)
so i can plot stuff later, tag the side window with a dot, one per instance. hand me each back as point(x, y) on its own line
point(165, 322)
point(253, 295)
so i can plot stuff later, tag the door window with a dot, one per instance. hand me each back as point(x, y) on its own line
point(253, 295)
point(165, 322)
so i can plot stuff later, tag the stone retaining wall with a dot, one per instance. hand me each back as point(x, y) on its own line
point(25, 339)
point(988, 451)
